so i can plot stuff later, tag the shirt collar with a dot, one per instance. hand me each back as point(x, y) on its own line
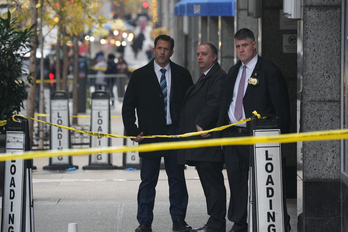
point(206, 72)
point(158, 68)
point(252, 63)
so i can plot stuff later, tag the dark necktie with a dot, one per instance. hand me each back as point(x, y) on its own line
point(200, 79)
point(163, 85)
point(238, 111)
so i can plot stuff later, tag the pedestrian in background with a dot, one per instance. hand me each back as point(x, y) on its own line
point(156, 93)
point(111, 71)
point(266, 93)
point(199, 113)
point(122, 68)
point(100, 66)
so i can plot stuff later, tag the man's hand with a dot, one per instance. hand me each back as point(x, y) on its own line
point(206, 135)
point(139, 138)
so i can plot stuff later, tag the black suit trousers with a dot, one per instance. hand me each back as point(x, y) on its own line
point(212, 180)
point(237, 167)
point(149, 173)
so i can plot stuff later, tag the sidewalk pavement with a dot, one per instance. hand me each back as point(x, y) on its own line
point(106, 200)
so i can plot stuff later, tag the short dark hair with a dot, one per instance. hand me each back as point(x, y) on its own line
point(211, 45)
point(243, 34)
point(165, 38)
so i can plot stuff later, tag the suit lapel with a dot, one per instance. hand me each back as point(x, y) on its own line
point(193, 89)
point(232, 81)
point(152, 76)
point(254, 74)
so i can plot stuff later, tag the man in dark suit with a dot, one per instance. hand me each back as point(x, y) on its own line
point(200, 112)
point(156, 93)
point(252, 84)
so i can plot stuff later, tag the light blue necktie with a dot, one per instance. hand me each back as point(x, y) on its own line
point(163, 85)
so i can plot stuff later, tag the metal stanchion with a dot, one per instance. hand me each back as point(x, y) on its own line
point(266, 205)
point(60, 138)
point(17, 203)
point(100, 122)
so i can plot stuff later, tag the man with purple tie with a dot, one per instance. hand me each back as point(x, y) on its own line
point(253, 83)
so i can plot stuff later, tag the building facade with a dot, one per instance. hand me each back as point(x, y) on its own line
point(312, 52)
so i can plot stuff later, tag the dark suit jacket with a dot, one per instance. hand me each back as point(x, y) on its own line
point(144, 96)
point(269, 96)
point(201, 108)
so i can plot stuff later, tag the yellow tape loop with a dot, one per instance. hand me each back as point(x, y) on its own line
point(256, 114)
point(3, 122)
point(13, 117)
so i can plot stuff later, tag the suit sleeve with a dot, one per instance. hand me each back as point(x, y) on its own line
point(280, 98)
point(130, 103)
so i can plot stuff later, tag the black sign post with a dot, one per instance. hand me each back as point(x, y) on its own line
point(266, 206)
point(100, 122)
point(60, 138)
point(17, 202)
point(82, 93)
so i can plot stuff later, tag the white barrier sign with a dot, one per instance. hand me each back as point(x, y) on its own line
point(100, 123)
point(132, 157)
point(268, 181)
point(59, 136)
point(13, 184)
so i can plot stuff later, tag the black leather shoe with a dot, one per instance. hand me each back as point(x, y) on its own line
point(144, 227)
point(239, 227)
point(181, 226)
point(206, 229)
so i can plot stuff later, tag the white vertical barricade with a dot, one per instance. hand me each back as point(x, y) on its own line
point(100, 122)
point(60, 138)
point(17, 202)
point(266, 205)
point(131, 159)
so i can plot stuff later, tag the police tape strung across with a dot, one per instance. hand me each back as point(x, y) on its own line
point(284, 138)
point(99, 134)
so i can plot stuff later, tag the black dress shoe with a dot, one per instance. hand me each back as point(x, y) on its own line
point(144, 227)
point(206, 229)
point(181, 226)
point(239, 227)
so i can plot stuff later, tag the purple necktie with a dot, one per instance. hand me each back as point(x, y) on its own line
point(200, 79)
point(238, 111)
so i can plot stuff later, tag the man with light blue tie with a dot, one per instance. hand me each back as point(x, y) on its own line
point(253, 83)
point(154, 97)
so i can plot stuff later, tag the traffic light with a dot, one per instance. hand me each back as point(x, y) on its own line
point(145, 5)
point(51, 76)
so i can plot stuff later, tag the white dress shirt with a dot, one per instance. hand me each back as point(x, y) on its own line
point(249, 69)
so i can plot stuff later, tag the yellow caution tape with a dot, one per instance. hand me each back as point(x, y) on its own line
point(42, 115)
point(285, 138)
point(73, 129)
point(81, 116)
point(98, 68)
point(3, 122)
point(99, 134)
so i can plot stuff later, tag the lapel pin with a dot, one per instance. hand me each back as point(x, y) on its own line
point(253, 81)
